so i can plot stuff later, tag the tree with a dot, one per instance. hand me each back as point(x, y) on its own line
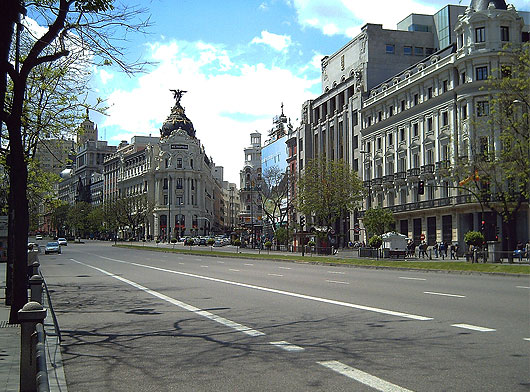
point(498, 173)
point(328, 189)
point(132, 212)
point(378, 221)
point(59, 218)
point(78, 218)
point(274, 188)
point(73, 25)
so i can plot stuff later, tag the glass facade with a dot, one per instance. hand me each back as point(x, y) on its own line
point(443, 29)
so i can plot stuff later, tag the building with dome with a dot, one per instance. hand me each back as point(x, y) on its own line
point(411, 125)
point(174, 174)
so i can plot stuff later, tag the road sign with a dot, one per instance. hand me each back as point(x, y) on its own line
point(422, 236)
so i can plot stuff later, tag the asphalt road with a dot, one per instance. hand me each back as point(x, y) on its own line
point(146, 321)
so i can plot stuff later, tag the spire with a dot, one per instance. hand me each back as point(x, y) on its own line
point(482, 5)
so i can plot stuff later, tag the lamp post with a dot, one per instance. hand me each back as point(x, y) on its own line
point(209, 224)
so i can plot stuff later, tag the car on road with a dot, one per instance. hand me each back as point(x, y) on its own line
point(38, 237)
point(52, 247)
point(62, 241)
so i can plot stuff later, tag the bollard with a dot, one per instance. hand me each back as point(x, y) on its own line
point(35, 268)
point(29, 316)
point(35, 284)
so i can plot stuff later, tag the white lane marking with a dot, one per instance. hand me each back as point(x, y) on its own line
point(406, 277)
point(181, 263)
point(274, 274)
point(522, 287)
point(233, 269)
point(221, 320)
point(336, 281)
point(335, 272)
point(363, 377)
point(204, 266)
point(249, 264)
point(444, 294)
point(287, 346)
point(285, 268)
point(196, 259)
point(527, 339)
point(282, 292)
point(221, 262)
point(473, 327)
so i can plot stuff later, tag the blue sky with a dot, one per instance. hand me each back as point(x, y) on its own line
point(238, 60)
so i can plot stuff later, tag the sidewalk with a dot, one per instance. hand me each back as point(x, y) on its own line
point(9, 343)
point(10, 348)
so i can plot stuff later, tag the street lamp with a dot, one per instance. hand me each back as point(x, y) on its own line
point(209, 224)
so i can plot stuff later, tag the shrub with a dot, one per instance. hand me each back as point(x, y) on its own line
point(268, 244)
point(474, 238)
point(173, 240)
point(375, 242)
point(210, 241)
point(311, 243)
point(189, 241)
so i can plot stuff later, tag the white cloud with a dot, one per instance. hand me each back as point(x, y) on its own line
point(275, 41)
point(105, 76)
point(347, 16)
point(224, 106)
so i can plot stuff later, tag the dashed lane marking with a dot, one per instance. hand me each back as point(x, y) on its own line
point(275, 274)
point(281, 292)
point(445, 294)
point(221, 320)
point(285, 268)
point(249, 264)
point(336, 272)
point(522, 287)
point(233, 269)
point(336, 281)
point(363, 377)
point(287, 346)
point(409, 278)
point(205, 266)
point(473, 327)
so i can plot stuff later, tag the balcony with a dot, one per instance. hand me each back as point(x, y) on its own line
point(388, 180)
point(400, 177)
point(443, 168)
point(377, 182)
point(413, 174)
point(427, 171)
point(367, 184)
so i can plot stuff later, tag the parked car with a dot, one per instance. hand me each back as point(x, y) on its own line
point(52, 247)
point(62, 241)
point(38, 237)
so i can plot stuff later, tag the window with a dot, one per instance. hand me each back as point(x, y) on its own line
point(480, 34)
point(179, 201)
point(179, 183)
point(481, 73)
point(463, 78)
point(167, 163)
point(407, 50)
point(191, 163)
point(355, 118)
point(445, 86)
point(402, 134)
point(356, 141)
point(391, 111)
point(415, 130)
point(418, 51)
point(429, 51)
point(505, 33)
point(356, 165)
point(369, 147)
point(390, 49)
point(165, 200)
point(506, 71)
point(483, 146)
point(165, 184)
point(379, 143)
point(445, 119)
point(429, 93)
point(461, 40)
point(403, 103)
point(390, 139)
point(379, 116)
point(416, 99)
point(301, 145)
point(464, 111)
point(483, 108)
point(429, 124)
point(179, 163)
point(369, 120)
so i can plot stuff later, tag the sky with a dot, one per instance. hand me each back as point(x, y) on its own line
point(238, 60)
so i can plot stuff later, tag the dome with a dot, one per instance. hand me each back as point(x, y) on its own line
point(482, 5)
point(177, 119)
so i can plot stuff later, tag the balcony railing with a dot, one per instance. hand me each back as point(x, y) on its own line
point(427, 169)
point(446, 164)
point(377, 181)
point(367, 183)
point(400, 176)
point(388, 179)
point(414, 172)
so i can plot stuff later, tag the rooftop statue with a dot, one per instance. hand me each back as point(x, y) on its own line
point(177, 94)
point(177, 118)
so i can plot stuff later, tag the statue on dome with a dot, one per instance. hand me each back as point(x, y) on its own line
point(177, 94)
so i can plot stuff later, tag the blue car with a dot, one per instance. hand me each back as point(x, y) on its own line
point(52, 247)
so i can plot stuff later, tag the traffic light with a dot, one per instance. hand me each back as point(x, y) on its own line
point(483, 226)
point(302, 221)
point(421, 188)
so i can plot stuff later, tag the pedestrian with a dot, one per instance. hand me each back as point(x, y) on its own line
point(528, 250)
point(453, 250)
point(471, 252)
point(457, 248)
point(435, 247)
point(442, 249)
point(446, 248)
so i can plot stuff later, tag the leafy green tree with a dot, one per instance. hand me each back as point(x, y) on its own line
point(499, 173)
point(78, 218)
point(87, 26)
point(282, 235)
point(327, 190)
point(96, 218)
point(378, 221)
point(375, 242)
point(474, 238)
point(132, 212)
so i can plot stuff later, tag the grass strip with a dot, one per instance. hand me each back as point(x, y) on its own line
point(381, 263)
